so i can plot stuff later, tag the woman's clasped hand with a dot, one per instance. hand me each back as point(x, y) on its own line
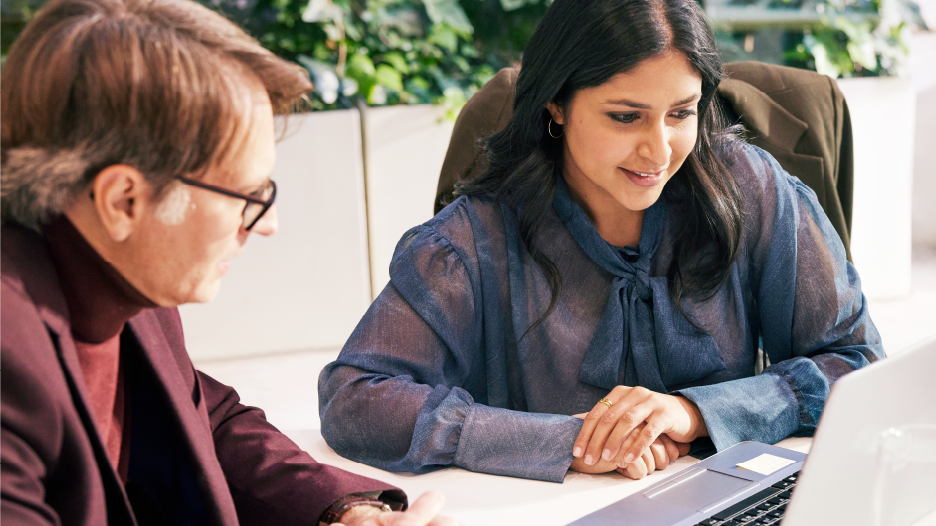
point(636, 431)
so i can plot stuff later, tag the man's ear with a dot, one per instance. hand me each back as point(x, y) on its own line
point(121, 195)
point(555, 111)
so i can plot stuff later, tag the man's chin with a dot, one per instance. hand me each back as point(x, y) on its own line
point(201, 294)
point(206, 294)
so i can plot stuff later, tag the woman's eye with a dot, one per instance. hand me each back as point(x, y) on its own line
point(684, 114)
point(624, 117)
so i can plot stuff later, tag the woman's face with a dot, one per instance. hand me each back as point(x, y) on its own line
point(623, 140)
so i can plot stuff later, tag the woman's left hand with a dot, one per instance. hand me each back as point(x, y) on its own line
point(607, 431)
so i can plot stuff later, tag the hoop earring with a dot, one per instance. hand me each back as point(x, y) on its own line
point(550, 132)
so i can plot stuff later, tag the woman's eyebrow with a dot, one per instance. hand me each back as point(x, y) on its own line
point(625, 102)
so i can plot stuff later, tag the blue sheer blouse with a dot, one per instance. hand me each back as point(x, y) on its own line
point(439, 372)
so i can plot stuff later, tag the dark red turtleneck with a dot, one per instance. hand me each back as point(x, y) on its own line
point(100, 301)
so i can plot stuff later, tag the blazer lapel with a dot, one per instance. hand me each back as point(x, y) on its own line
point(773, 128)
point(762, 116)
point(192, 421)
point(42, 284)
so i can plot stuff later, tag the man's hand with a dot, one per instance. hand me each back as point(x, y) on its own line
point(624, 432)
point(423, 512)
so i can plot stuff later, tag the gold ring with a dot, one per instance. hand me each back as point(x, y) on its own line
point(606, 402)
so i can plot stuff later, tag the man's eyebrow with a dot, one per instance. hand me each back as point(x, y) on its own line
point(625, 102)
point(259, 186)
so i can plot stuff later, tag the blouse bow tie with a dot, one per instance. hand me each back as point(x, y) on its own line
point(617, 339)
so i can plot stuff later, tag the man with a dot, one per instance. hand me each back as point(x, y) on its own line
point(137, 143)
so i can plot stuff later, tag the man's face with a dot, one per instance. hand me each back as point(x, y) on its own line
point(185, 243)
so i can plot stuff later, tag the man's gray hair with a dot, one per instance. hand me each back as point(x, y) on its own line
point(38, 183)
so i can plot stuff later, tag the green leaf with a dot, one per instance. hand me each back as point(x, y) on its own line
point(418, 83)
point(361, 69)
point(511, 5)
point(862, 53)
point(443, 36)
point(360, 65)
point(450, 13)
point(389, 77)
point(454, 99)
point(397, 61)
point(824, 65)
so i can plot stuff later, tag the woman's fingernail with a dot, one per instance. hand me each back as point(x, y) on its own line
point(589, 460)
point(629, 458)
point(577, 452)
point(606, 454)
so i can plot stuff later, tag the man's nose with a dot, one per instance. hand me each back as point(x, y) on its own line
point(268, 224)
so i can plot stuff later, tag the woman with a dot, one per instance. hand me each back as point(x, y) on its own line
point(623, 256)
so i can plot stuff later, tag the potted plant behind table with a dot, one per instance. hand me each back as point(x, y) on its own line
point(392, 74)
point(402, 68)
point(409, 66)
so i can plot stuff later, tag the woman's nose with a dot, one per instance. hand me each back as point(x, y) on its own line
point(655, 146)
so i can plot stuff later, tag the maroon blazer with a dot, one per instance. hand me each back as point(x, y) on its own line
point(197, 455)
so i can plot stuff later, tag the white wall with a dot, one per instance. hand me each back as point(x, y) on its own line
point(882, 113)
point(923, 75)
point(308, 285)
point(404, 150)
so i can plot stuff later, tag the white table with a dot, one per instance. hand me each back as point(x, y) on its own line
point(491, 500)
point(477, 499)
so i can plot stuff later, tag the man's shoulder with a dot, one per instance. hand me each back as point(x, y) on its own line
point(33, 382)
point(27, 274)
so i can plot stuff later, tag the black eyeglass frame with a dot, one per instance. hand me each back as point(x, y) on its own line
point(230, 193)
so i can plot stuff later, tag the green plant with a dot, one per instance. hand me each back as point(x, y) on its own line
point(392, 51)
point(374, 51)
point(860, 38)
point(503, 27)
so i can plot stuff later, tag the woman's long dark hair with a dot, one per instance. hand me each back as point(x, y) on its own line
point(581, 44)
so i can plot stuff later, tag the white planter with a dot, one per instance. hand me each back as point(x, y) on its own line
point(307, 286)
point(923, 73)
point(882, 114)
point(404, 147)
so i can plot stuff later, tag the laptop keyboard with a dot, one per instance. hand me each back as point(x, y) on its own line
point(760, 509)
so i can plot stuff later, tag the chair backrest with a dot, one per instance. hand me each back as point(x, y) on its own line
point(800, 117)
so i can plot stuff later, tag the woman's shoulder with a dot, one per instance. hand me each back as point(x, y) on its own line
point(455, 228)
point(749, 164)
point(759, 176)
point(462, 216)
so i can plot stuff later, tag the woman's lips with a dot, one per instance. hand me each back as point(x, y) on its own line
point(644, 178)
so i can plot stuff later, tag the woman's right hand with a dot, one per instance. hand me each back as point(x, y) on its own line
point(661, 452)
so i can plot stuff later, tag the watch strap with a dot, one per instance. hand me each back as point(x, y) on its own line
point(336, 511)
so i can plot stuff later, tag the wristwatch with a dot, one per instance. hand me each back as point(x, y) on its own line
point(336, 511)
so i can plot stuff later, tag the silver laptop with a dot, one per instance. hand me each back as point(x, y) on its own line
point(872, 463)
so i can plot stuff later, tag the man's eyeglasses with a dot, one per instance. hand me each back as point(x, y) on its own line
point(257, 202)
